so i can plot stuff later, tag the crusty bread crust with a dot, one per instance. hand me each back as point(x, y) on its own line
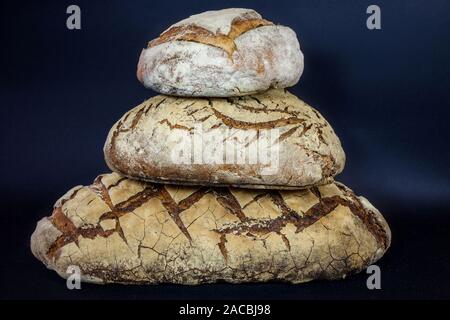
point(202, 35)
point(119, 230)
point(231, 52)
point(140, 144)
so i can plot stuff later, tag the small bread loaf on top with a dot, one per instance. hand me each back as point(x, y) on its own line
point(222, 53)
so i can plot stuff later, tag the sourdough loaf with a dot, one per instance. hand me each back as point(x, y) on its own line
point(267, 140)
point(223, 53)
point(119, 230)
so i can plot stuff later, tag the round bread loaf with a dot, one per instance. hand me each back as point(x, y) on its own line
point(119, 230)
point(268, 140)
point(223, 53)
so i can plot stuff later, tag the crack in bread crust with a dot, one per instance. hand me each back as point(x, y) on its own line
point(201, 35)
point(140, 144)
point(221, 54)
point(357, 236)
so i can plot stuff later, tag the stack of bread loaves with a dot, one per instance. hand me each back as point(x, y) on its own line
point(226, 176)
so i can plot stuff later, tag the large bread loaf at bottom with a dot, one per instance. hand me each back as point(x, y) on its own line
point(125, 231)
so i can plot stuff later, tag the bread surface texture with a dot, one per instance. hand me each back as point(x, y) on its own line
point(119, 230)
point(222, 53)
point(267, 140)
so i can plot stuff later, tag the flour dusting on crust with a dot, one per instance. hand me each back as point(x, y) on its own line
point(182, 235)
point(224, 53)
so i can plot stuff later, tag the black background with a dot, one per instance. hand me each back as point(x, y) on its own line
point(386, 93)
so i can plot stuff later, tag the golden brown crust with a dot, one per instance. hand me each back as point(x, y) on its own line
point(201, 35)
point(223, 53)
point(196, 180)
point(125, 231)
point(310, 153)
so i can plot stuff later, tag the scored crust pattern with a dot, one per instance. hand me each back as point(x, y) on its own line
point(223, 53)
point(310, 153)
point(202, 35)
point(121, 230)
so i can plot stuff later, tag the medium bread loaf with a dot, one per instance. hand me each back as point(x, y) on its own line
point(119, 230)
point(223, 53)
point(267, 140)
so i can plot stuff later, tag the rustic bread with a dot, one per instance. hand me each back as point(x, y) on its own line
point(157, 142)
point(119, 230)
point(221, 53)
